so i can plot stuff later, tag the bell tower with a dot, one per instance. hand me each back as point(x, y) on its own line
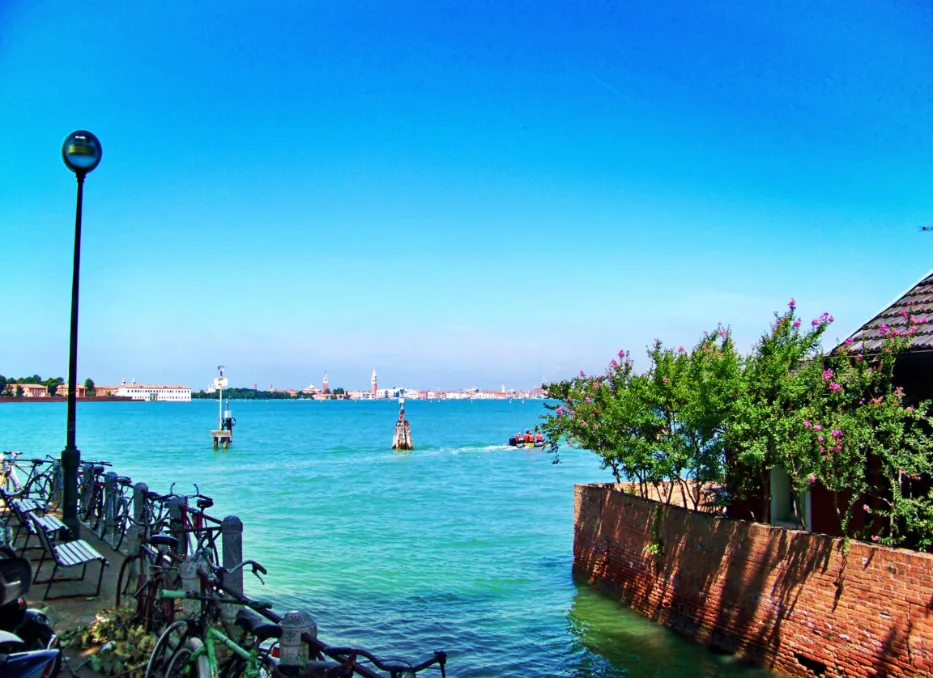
point(373, 386)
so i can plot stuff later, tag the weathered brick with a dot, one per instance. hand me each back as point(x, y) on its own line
point(762, 592)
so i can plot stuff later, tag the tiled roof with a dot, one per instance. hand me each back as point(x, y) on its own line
point(917, 302)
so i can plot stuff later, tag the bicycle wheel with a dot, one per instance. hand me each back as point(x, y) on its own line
point(156, 612)
point(126, 582)
point(188, 662)
point(173, 639)
point(121, 522)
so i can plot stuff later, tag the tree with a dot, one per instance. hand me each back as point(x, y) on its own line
point(339, 391)
point(3, 383)
point(52, 383)
point(89, 385)
point(19, 391)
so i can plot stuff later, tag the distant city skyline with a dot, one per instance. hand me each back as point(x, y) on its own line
point(479, 194)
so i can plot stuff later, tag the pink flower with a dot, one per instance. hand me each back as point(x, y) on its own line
point(621, 354)
point(582, 373)
point(836, 433)
point(858, 358)
point(588, 399)
point(792, 304)
point(910, 409)
point(827, 374)
point(680, 350)
point(883, 329)
point(849, 341)
point(811, 479)
point(797, 323)
point(815, 322)
point(817, 427)
point(903, 313)
point(866, 507)
point(820, 438)
point(665, 379)
point(833, 386)
point(875, 537)
point(806, 424)
point(613, 364)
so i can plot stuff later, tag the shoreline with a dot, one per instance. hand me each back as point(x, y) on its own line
point(64, 399)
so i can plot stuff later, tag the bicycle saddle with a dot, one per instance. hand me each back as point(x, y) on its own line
point(125, 480)
point(259, 627)
point(204, 503)
point(164, 540)
point(98, 469)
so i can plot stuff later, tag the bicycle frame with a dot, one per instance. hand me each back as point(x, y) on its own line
point(251, 657)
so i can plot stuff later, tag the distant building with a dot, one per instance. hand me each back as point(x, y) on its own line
point(80, 391)
point(373, 386)
point(324, 386)
point(30, 390)
point(157, 392)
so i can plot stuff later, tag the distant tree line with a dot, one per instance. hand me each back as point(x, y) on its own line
point(255, 394)
point(10, 386)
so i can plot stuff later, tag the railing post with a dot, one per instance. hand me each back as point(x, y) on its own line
point(231, 534)
point(176, 509)
point(190, 584)
point(293, 652)
point(110, 502)
point(133, 534)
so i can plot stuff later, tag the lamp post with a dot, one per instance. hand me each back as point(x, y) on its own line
point(81, 152)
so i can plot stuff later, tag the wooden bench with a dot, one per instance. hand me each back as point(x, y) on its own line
point(51, 525)
point(66, 555)
point(20, 508)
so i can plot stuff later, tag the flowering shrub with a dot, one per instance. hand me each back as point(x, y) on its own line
point(836, 420)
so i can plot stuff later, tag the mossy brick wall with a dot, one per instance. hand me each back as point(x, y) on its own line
point(795, 602)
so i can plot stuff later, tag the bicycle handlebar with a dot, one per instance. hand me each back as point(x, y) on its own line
point(337, 653)
point(440, 657)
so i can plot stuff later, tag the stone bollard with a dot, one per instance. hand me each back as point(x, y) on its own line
point(176, 508)
point(110, 504)
point(190, 584)
point(133, 534)
point(139, 501)
point(231, 535)
point(293, 651)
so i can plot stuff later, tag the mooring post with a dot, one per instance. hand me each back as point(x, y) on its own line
point(139, 565)
point(176, 519)
point(231, 534)
point(293, 652)
point(110, 503)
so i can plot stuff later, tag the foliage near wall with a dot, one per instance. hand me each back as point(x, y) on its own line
point(838, 420)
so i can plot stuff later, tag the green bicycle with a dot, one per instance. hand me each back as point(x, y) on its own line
point(189, 648)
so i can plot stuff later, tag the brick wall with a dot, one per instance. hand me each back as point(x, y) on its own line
point(788, 600)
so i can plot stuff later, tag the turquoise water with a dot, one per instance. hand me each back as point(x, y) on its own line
point(464, 544)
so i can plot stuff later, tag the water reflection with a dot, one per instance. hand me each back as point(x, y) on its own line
point(611, 641)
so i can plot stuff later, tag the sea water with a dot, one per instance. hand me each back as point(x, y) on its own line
point(464, 544)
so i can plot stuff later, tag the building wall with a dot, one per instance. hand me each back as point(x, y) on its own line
point(793, 601)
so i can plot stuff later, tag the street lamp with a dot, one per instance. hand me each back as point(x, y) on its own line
point(81, 152)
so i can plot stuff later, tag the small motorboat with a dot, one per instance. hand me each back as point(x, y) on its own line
point(516, 441)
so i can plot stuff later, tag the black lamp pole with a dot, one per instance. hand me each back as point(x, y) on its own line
point(81, 153)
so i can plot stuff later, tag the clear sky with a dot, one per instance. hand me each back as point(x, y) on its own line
point(453, 193)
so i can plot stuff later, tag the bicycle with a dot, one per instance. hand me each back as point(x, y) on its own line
point(190, 647)
point(91, 493)
point(144, 575)
point(39, 484)
point(198, 530)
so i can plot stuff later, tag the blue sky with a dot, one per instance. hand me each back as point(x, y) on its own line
point(454, 193)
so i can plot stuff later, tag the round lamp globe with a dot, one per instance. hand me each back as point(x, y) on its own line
point(81, 152)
